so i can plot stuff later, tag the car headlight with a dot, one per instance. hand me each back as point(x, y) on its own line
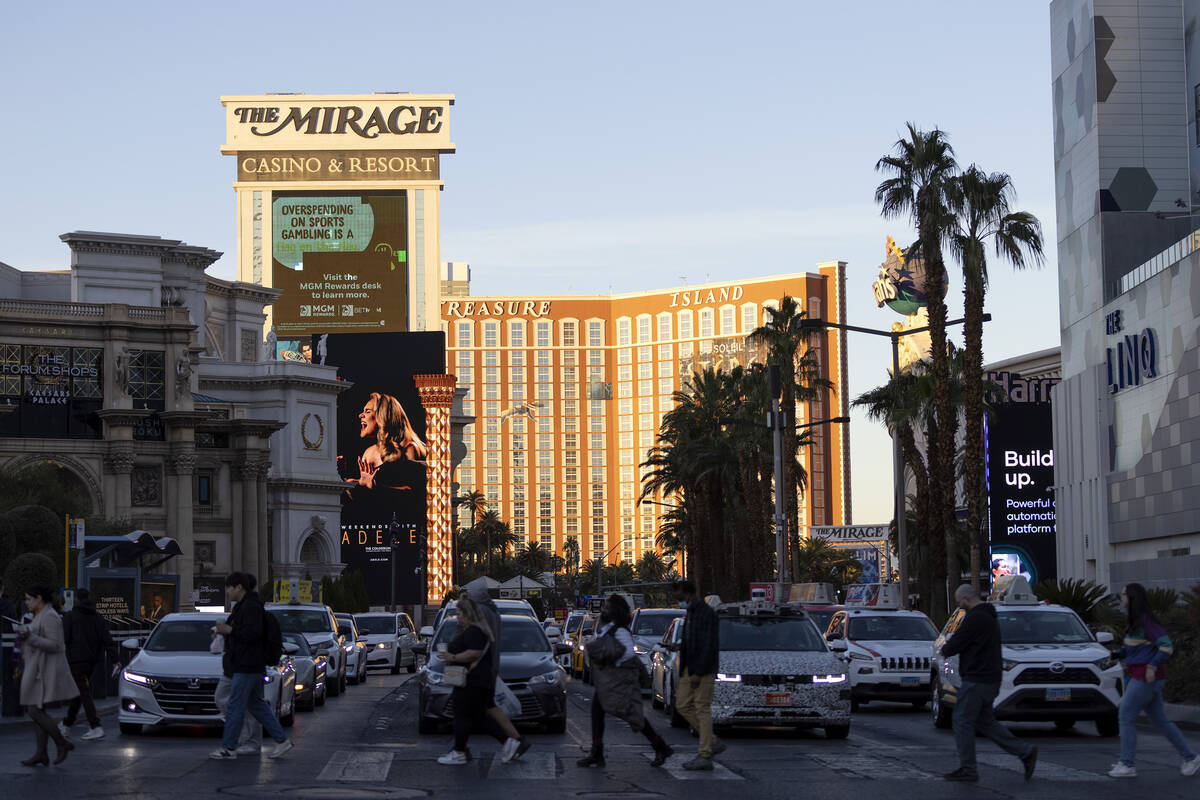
point(1008, 664)
point(268, 678)
point(726, 677)
point(138, 678)
point(349, 648)
point(554, 677)
point(860, 657)
point(384, 646)
point(434, 678)
point(829, 678)
point(300, 687)
point(641, 651)
point(1108, 662)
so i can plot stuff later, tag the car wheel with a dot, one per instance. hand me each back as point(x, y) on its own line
point(131, 728)
point(319, 700)
point(290, 719)
point(1064, 724)
point(396, 665)
point(1108, 726)
point(943, 715)
point(335, 686)
point(837, 731)
point(557, 726)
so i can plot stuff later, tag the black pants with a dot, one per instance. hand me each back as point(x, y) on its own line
point(82, 673)
point(598, 728)
point(45, 728)
point(470, 706)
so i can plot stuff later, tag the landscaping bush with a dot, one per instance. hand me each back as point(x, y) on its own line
point(30, 569)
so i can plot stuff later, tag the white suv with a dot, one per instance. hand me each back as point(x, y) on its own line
point(1055, 669)
point(317, 623)
point(888, 653)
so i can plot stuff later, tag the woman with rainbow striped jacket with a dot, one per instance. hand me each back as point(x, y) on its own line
point(1147, 648)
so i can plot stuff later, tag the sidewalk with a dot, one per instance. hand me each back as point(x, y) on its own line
point(105, 708)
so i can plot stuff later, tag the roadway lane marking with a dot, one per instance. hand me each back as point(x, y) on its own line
point(1046, 770)
point(357, 765)
point(674, 768)
point(872, 767)
point(537, 765)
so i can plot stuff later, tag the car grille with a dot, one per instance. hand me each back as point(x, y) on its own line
point(904, 664)
point(1074, 675)
point(530, 706)
point(187, 698)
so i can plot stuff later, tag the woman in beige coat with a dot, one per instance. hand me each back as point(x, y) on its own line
point(45, 674)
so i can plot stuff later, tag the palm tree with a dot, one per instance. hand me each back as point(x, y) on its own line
point(920, 169)
point(982, 206)
point(787, 338)
point(474, 502)
point(821, 562)
point(650, 568)
point(496, 534)
point(534, 558)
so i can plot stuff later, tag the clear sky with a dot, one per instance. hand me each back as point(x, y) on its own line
point(623, 146)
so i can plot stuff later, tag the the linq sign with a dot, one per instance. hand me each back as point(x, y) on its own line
point(1133, 359)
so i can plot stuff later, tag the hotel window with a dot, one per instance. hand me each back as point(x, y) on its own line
point(545, 391)
point(623, 331)
point(544, 375)
point(518, 491)
point(625, 406)
point(598, 508)
point(492, 491)
point(598, 491)
point(516, 374)
point(547, 542)
point(625, 372)
point(645, 404)
point(685, 350)
point(544, 358)
point(571, 475)
point(596, 441)
point(516, 358)
point(664, 327)
point(518, 441)
point(491, 335)
point(706, 323)
point(626, 440)
point(625, 423)
point(626, 488)
point(646, 421)
point(646, 439)
point(648, 526)
point(685, 324)
point(518, 476)
point(464, 334)
point(570, 408)
point(571, 492)
point(517, 391)
point(627, 527)
point(570, 425)
point(491, 443)
point(749, 317)
point(572, 525)
point(595, 334)
point(568, 334)
point(595, 357)
point(491, 476)
point(625, 356)
point(625, 389)
point(596, 458)
point(542, 332)
point(727, 321)
point(491, 410)
point(464, 359)
point(570, 458)
point(645, 387)
point(571, 508)
point(596, 424)
point(664, 352)
point(569, 356)
point(544, 509)
point(518, 526)
point(491, 425)
point(570, 441)
point(545, 458)
point(645, 353)
point(516, 334)
point(545, 476)
point(466, 375)
point(545, 528)
point(595, 407)
point(518, 424)
point(466, 477)
point(518, 458)
point(626, 474)
point(627, 508)
point(545, 441)
point(644, 328)
point(570, 374)
point(665, 368)
point(598, 527)
point(570, 390)
point(492, 458)
point(491, 358)
point(645, 370)
point(666, 386)
point(598, 545)
point(491, 375)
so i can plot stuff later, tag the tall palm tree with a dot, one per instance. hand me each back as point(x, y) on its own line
point(650, 567)
point(821, 562)
point(982, 205)
point(787, 340)
point(473, 502)
point(534, 558)
point(495, 534)
point(920, 172)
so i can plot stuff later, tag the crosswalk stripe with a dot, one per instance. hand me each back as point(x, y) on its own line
point(674, 768)
point(1046, 770)
point(357, 765)
point(534, 765)
point(859, 766)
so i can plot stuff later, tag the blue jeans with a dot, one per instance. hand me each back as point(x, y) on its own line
point(1140, 695)
point(246, 696)
point(973, 712)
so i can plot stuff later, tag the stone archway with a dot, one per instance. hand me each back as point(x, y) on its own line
point(75, 477)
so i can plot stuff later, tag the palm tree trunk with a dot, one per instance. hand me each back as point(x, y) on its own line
point(973, 378)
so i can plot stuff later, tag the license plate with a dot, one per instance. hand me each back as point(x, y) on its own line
point(779, 698)
point(910, 681)
point(1058, 693)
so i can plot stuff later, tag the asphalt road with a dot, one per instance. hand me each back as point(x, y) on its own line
point(364, 744)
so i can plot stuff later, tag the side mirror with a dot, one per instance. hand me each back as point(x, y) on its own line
point(427, 630)
point(837, 645)
point(420, 647)
point(404, 632)
point(131, 644)
point(1104, 637)
point(562, 649)
point(829, 637)
point(291, 649)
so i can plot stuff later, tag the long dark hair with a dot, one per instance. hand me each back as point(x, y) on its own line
point(1138, 607)
point(618, 611)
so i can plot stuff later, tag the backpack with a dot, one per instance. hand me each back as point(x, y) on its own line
point(272, 640)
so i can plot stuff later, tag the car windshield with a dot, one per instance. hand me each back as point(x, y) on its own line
point(517, 608)
point(1042, 627)
point(883, 629)
point(821, 618)
point(587, 627)
point(376, 625)
point(300, 620)
point(769, 633)
point(298, 640)
point(573, 623)
point(182, 636)
point(516, 636)
point(652, 624)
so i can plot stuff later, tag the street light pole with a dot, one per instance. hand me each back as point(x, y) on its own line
point(775, 423)
point(600, 572)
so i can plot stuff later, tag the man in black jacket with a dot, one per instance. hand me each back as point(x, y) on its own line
point(87, 640)
point(977, 644)
point(698, 656)
point(245, 640)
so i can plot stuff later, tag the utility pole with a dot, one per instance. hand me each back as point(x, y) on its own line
point(775, 423)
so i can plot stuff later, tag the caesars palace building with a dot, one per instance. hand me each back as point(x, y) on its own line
point(190, 406)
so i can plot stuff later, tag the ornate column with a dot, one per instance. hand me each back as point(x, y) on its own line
point(263, 524)
point(181, 463)
point(118, 462)
point(437, 397)
point(248, 558)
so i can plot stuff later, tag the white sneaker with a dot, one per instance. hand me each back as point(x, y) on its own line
point(280, 748)
point(248, 750)
point(1190, 767)
point(1122, 770)
point(64, 730)
point(93, 734)
point(510, 750)
point(453, 758)
point(222, 754)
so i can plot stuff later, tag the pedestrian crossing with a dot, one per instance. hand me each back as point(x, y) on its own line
point(357, 765)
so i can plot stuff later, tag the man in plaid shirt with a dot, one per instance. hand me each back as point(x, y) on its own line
point(698, 656)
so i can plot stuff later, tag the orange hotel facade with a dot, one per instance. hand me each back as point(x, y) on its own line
point(567, 395)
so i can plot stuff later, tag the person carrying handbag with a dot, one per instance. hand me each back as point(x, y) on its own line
point(469, 669)
point(616, 672)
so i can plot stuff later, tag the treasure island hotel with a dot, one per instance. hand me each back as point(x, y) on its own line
point(567, 395)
